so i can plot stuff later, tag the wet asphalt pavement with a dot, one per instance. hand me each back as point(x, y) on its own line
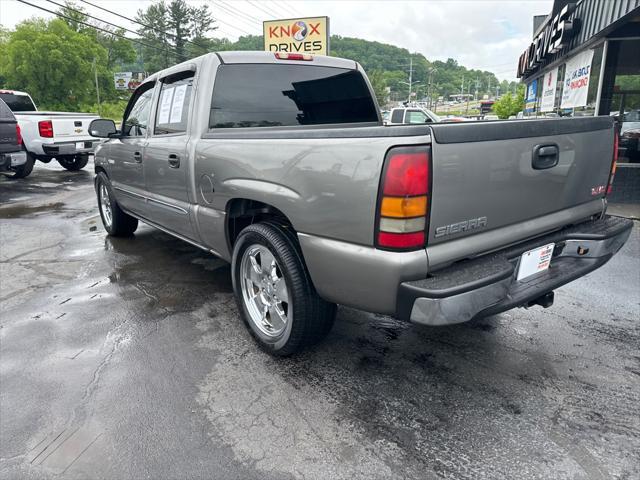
point(126, 358)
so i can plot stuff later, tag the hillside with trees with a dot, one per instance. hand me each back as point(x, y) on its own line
point(57, 60)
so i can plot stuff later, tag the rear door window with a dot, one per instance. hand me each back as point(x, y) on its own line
point(396, 116)
point(269, 95)
point(172, 112)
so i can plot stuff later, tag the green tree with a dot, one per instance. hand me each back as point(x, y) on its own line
point(509, 104)
point(379, 85)
point(174, 32)
point(53, 63)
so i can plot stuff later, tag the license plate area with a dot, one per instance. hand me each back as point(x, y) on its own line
point(83, 145)
point(535, 261)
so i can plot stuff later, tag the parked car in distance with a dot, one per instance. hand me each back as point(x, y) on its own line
point(12, 157)
point(49, 135)
point(411, 115)
point(279, 163)
point(630, 135)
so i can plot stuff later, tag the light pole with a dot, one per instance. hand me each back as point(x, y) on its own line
point(431, 72)
point(411, 84)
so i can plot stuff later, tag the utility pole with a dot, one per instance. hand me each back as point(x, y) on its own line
point(410, 76)
point(411, 82)
point(95, 73)
point(475, 97)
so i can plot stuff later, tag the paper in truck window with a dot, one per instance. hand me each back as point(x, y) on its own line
point(165, 105)
point(177, 104)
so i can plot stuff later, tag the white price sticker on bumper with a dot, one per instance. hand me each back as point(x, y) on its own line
point(535, 261)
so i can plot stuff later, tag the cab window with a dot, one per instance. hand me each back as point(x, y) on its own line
point(137, 120)
point(416, 116)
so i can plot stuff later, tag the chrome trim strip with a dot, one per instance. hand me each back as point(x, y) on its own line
point(153, 200)
point(169, 205)
point(129, 192)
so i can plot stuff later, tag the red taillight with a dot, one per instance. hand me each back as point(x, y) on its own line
point(614, 162)
point(18, 135)
point(404, 198)
point(294, 56)
point(45, 127)
point(407, 174)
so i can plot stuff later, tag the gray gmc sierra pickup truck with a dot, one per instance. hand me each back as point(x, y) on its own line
point(279, 163)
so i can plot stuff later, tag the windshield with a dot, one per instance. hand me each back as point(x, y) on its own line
point(18, 103)
point(435, 117)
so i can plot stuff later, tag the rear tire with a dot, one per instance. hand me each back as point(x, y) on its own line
point(26, 169)
point(73, 164)
point(116, 222)
point(274, 292)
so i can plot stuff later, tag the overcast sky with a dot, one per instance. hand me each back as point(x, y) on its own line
point(488, 35)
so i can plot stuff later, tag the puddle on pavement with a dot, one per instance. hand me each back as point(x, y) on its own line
point(19, 211)
point(172, 274)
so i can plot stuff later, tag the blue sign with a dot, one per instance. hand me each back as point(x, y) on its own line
point(532, 89)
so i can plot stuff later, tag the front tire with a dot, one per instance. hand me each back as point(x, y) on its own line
point(274, 292)
point(73, 164)
point(116, 222)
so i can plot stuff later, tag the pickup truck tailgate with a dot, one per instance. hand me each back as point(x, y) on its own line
point(71, 126)
point(488, 175)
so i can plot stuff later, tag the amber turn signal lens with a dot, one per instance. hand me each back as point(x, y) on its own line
point(404, 207)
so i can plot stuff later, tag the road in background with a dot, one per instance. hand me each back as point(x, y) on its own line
point(126, 358)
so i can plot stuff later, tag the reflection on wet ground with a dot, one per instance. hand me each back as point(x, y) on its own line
point(125, 358)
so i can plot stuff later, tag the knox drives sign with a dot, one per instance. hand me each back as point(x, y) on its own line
point(299, 35)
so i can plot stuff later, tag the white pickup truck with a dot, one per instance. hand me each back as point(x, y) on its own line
point(49, 135)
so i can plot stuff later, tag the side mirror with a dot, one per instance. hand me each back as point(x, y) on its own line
point(428, 120)
point(102, 128)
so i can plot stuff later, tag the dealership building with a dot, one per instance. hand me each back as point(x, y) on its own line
point(584, 59)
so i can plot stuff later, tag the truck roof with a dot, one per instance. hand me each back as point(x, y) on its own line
point(235, 57)
point(13, 92)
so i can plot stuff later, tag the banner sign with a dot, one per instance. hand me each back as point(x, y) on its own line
point(299, 35)
point(530, 104)
point(128, 80)
point(549, 91)
point(576, 80)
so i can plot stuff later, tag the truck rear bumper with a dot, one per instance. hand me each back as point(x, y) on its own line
point(13, 159)
point(69, 148)
point(487, 285)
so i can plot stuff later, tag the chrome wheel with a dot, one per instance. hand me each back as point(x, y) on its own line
point(105, 205)
point(264, 291)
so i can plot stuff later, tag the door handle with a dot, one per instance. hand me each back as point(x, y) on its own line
point(545, 156)
point(137, 157)
point(174, 160)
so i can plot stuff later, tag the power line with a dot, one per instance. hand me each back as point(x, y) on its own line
point(291, 7)
point(240, 12)
point(91, 16)
point(287, 11)
point(260, 8)
point(249, 23)
point(164, 50)
point(158, 30)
